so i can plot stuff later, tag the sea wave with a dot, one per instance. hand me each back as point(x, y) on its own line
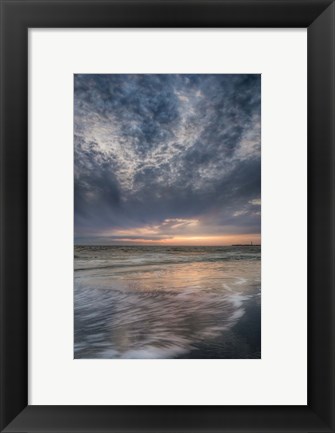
point(90, 258)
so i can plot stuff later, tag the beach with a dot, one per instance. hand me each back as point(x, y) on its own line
point(159, 302)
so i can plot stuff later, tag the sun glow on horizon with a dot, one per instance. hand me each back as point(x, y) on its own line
point(222, 240)
point(208, 240)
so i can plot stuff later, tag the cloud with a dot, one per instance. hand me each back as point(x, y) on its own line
point(255, 202)
point(136, 238)
point(150, 149)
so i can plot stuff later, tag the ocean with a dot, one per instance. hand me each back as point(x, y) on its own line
point(160, 302)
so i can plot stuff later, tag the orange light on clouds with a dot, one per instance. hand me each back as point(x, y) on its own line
point(178, 231)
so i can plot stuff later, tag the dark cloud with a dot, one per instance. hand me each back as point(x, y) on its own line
point(151, 148)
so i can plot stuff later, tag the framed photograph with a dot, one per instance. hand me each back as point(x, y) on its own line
point(167, 216)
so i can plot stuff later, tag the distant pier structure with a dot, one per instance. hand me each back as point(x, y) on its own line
point(246, 245)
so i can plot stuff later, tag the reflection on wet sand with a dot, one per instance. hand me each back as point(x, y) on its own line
point(141, 308)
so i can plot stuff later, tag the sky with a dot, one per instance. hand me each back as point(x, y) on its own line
point(166, 159)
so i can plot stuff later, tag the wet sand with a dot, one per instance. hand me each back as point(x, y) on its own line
point(167, 303)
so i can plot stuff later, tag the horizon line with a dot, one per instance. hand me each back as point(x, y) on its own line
point(162, 245)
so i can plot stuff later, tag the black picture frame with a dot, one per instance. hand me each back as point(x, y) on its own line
point(17, 16)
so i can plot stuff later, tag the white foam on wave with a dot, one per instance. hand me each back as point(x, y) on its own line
point(152, 352)
point(237, 299)
point(238, 314)
point(240, 281)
